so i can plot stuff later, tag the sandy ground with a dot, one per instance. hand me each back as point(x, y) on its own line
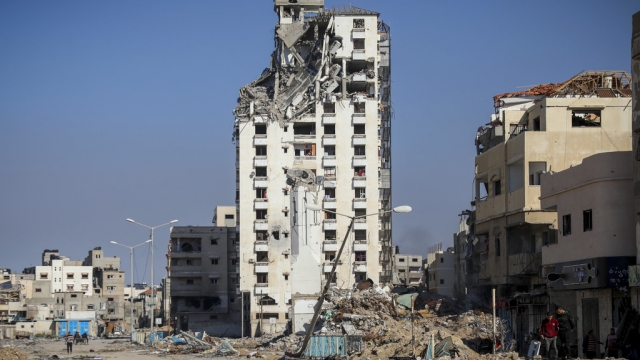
point(107, 349)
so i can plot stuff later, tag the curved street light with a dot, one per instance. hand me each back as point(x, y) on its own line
point(312, 324)
point(153, 291)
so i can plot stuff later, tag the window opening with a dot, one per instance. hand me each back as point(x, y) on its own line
point(587, 220)
point(585, 118)
point(566, 225)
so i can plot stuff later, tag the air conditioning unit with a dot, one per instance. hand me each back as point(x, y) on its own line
point(251, 261)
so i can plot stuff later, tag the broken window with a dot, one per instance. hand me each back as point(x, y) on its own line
point(214, 241)
point(361, 255)
point(327, 276)
point(497, 246)
point(587, 224)
point(214, 281)
point(189, 262)
point(329, 150)
point(359, 171)
point(566, 225)
point(536, 168)
point(262, 256)
point(358, 23)
point(261, 150)
point(305, 149)
point(585, 118)
point(186, 247)
point(497, 188)
point(329, 255)
point(330, 129)
point(214, 261)
point(189, 281)
point(261, 193)
point(261, 214)
point(329, 193)
point(330, 235)
point(261, 171)
point(267, 300)
point(482, 189)
point(358, 44)
point(330, 171)
point(262, 278)
point(359, 107)
point(360, 193)
point(441, 281)
point(276, 235)
point(516, 175)
point(262, 235)
point(360, 212)
point(359, 150)
point(536, 124)
point(261, 129)
point(304, 128)
point(329, 215)
point(359, 129)
point(360, 235)
point(329, 108)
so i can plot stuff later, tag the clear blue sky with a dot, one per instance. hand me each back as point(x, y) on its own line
point(116, 109)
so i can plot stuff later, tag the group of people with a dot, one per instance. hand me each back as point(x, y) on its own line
point(75, 338)
point(554, 334)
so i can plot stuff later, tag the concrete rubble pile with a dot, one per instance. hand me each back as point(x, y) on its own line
point(194, 343)
point(301, 73)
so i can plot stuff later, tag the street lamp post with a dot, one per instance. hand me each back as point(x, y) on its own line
point(312, 324)
point(153, 293)
point(131, 270)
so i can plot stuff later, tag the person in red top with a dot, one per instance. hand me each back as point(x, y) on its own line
point(549, 333)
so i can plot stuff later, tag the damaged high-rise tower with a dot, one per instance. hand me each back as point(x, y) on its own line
point(321, 111)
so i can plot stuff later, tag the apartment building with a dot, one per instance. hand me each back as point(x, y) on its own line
point(407, 270)
point(634, 271)
point(66, 276)
point(587, 266)
point(203, 274)
point(546, 129)
point(322, 108)
point(439, 270)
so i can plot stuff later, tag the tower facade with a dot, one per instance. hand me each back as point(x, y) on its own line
point(321, 107)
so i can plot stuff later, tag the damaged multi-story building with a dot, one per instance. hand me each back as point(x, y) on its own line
point(203, 276)
point(514, 242)
point(407, 269)
point(322, 107)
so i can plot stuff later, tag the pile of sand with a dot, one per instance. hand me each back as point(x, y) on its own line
point(12, 354)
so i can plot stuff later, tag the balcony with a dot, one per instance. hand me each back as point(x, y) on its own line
point(360, 266)
point(330, 224)
point(261, 204)
point(261, 225)
point(329, 160)
point(359, 139)
point(359, 181)
point(260, 161)
point(359, 78)
point(360, 245)
point(326, 268)
point(359, 119)
point(330, 245)
point(261, 267)
point(300, 159)
point(304, 137)
point(358, 33)
point(177, 253)
point(260, 182)
point(524, 264)
point(328, 119)
point(329, 181)
point(261, 289)
point(328, 139)
point(329, 204)
point(360, 224)
point(358, 54)
point(261, 245)
point(260, 139)
point(360, 160)
point(360, 204)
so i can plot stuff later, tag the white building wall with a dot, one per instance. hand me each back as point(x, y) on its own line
point(57, 275)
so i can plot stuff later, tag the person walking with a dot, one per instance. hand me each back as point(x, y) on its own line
point(589, 344)
point(549, 334)
point(69, 338)
point(566, 324)
point(633, 343)
point(611, 345)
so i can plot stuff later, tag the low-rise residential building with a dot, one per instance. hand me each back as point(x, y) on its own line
point(440, 274)
point(407, 270)
point(203, 275)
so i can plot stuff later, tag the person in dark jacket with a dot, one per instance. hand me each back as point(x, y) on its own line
point(633, 343)
point(566, 324)
point(549, 334)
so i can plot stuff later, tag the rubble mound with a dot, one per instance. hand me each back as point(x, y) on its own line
point(12, 354)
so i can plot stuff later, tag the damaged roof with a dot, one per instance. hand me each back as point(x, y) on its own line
point(596, 83)
point(349, 10)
